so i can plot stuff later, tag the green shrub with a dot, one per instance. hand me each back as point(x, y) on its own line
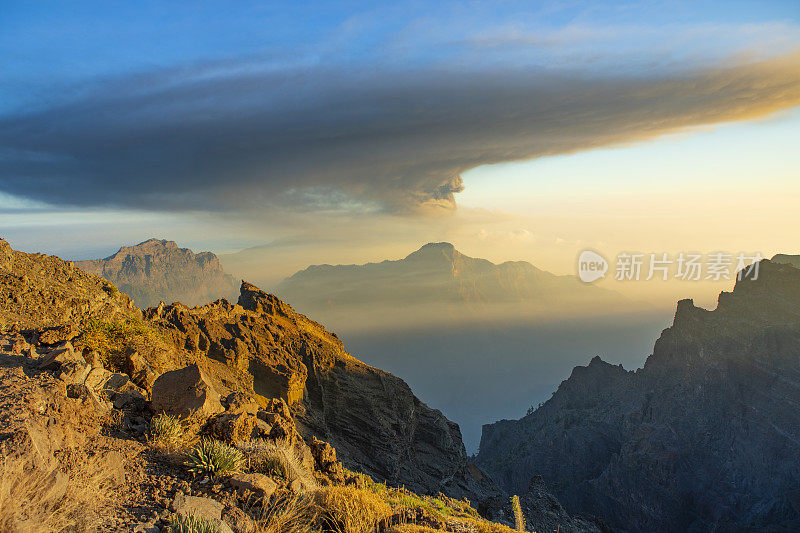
point(213, 457)
point(192, 524)
point(111, 338)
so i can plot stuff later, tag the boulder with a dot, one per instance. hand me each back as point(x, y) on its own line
point(230, 427)
point(138, 370)
point(205, 508)
point(259, 484)
point(74, 371)
point(185, 392)
point(238, 520)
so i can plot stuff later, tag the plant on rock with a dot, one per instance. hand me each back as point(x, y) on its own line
point(213, 458)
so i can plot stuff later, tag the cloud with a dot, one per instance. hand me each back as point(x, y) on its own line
point(241, 137)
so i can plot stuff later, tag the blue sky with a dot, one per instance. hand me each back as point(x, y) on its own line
point(47, 45)
point(127, 120)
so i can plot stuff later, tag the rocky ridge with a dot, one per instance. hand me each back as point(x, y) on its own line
point(705, 437)
point(255, 372)
point(158, 270)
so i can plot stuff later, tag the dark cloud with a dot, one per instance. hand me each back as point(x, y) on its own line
point(242, 138)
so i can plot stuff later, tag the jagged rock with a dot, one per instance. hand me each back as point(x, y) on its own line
point(185, 392)
point(93, 358)
point(301, 371)
point(239, 402)
point(325, 458)
point(138, 370)
point(705, 437)
point(259, 484)
point(55, 335)
point(230, 427)
point(59, 356)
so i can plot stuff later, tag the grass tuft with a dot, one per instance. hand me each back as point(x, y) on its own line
point(111, 338)
point(59, 497)
point(288, 513)
point(351, 510)
point(213, 458)
point(192, 524)
point(166, 433)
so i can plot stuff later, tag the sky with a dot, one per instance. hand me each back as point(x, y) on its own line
point(326, 132)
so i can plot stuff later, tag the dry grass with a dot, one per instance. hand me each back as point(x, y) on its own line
point(63, 496)
point(166, 434)
point(192, 524)
point(288, 513)
point(278, 458)
point(351, 510)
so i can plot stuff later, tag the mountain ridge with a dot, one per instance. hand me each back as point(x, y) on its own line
point(437, 274)
point(704, 436)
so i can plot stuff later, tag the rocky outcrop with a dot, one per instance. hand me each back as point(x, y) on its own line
point(157, 270)
point(371, 417)
point(705, 437)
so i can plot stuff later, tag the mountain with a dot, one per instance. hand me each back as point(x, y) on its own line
point(704, 437)
point(116, 419)
point(157, 270)
point(438, 281)
point(259, 347)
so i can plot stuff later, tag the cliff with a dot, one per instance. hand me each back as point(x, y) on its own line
point(706, 436)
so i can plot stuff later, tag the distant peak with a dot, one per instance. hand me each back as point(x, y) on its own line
point(596, 360)
point(435, 250)
point(437, 246)
point(156, 242)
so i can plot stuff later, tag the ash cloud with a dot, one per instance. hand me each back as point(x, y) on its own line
point(319, 138)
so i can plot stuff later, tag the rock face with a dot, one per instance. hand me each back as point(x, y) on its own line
point(371, 417)
point(705, 437)
point(157, 270)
